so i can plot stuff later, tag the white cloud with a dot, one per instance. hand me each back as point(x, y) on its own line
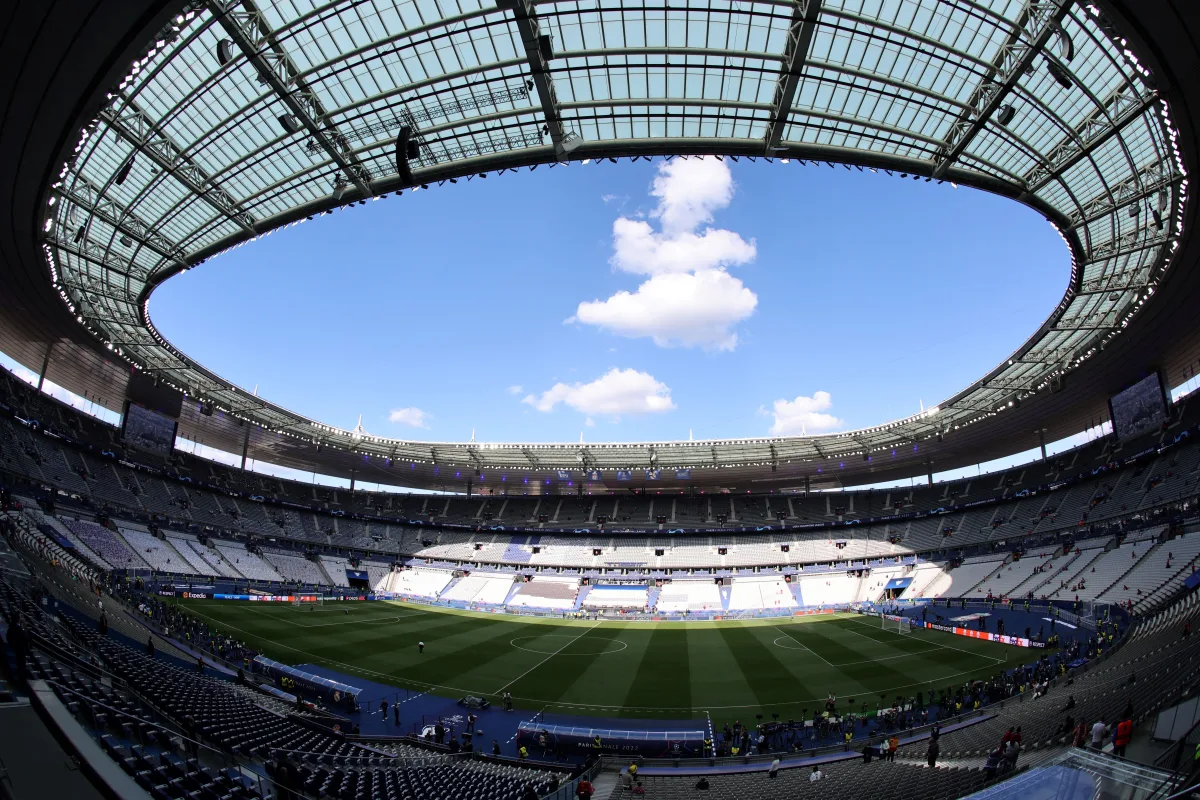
point(638, 249)
point(616, 392)
point(690, 299)
point(803, 415)
point(413, 417)
point(514, 389)
point(689, 309)
point(591, 423)
point(689, 191)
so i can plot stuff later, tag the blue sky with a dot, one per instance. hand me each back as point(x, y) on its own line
point(758, 298)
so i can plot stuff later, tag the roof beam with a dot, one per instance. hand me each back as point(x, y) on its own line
point(1037, 23)
point(85, 195)
point(139, 130)
point(525, 16)
point(795, 54)
point(88, 250)
point(1142, 184)
point(1121, 108)
point(251, 32)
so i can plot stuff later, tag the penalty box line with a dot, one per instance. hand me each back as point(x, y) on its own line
point(923, 641)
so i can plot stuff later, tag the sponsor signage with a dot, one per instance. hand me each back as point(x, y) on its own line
point(1017, 641)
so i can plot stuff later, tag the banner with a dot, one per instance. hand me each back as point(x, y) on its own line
point(624, 474)
point(683, 474)
point(594, 475)
point(545, 741)
point(1017, 641)
point(652, 474)
point(564, 475)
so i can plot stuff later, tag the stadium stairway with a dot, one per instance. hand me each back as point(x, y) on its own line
point(516, 587)
point(324, 573)
point(583, 592)
point(797, 594)
point(725, 590)
point(652, 597)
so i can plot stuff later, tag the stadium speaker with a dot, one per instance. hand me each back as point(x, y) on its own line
point(206, 409)
point(546, 46)
point(404, 144)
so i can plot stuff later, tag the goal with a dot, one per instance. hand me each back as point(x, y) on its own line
point(894, 624)
point(302, 600)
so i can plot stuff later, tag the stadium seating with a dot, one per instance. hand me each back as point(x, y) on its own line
point(419, 582)
point(616, 596)
point(683, 595)
point(1159, 567)
point(296, 568)
point(552, 593)
point(249, 564)
point(767, 592)
point(158, 553)
point(106, 544)
point(335, 568)
point(480, 588)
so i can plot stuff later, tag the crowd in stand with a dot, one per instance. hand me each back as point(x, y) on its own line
point(179, 625)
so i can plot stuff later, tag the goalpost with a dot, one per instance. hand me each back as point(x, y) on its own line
point(894, 624)
point(310, 601)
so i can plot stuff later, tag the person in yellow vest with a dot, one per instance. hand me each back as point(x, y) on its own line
point(846, 738)
point(522, 753)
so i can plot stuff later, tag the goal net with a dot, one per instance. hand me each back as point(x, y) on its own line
point(895, 624)
point(301, 600)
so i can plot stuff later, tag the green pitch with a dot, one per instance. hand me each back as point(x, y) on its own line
point(665, 669)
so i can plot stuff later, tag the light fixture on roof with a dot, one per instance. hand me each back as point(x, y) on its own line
point(1005, 114)
point(125, 240)
point(290, 123)
point(1134, 211)
point(224, 52)
point(339, 191)
point(1164, 199)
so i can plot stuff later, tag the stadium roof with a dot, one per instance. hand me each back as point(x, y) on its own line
point(238, 118)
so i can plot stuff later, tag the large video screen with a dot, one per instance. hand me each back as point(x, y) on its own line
point(1140, 408)
point(148, 431)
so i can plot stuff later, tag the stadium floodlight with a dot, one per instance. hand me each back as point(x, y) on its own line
point(123, 173)
point(290, 123)
point(1164, 199)
point(339, 191)
point(1134, 211)
point(1006, 114)
point(224, 52)
point(125, 240)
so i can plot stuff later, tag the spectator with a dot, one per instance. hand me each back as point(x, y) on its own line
point(584, 790)
point(530, 793)
point(893, 746)
point(773, 771)
point(702, 784)
point(638, 789)
point(815, 775)
point(1121, 737)
point(995, 758)
point(1098, 731)
point(931, 754)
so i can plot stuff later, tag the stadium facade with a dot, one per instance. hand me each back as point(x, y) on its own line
point(152, 137)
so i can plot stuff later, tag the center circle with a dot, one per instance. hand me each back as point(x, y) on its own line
point(560, 644)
